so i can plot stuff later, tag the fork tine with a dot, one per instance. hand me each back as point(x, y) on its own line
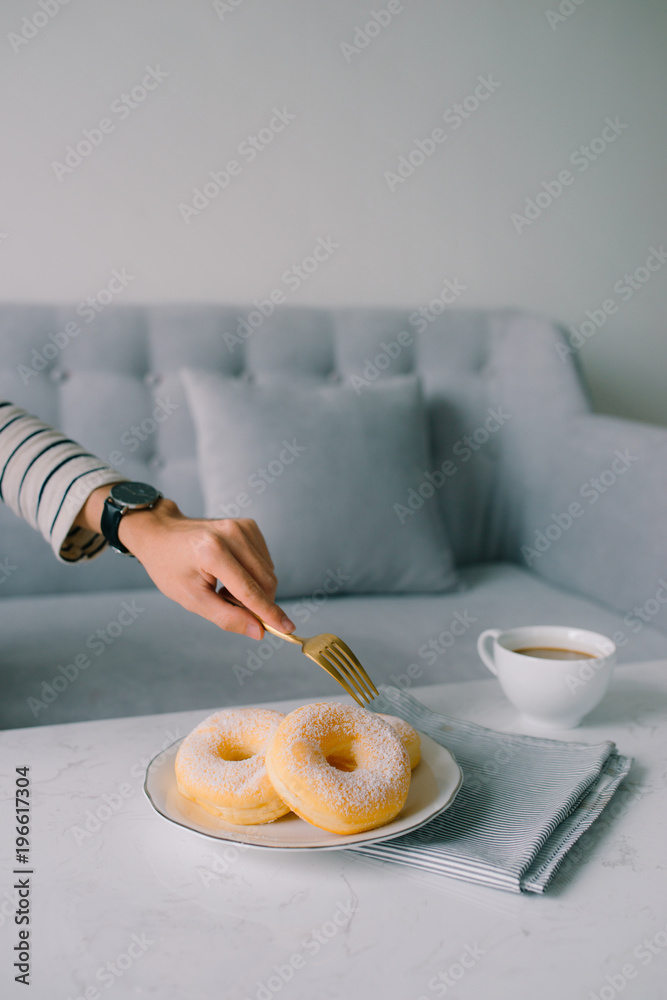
point(339, 661)
point(350, 670)
point(351, 686)
point(355, 662)
point(324, 663)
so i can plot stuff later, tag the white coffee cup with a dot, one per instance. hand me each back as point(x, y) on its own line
point(549, 693)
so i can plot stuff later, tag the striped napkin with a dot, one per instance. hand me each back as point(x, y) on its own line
point(524, 801)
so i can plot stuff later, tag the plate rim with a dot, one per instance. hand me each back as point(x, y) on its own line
point(305, 847)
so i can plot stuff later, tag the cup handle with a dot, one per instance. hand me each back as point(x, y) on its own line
point(484, 650)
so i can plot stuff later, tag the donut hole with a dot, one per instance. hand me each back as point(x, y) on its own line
point(234, 752)
point(340, 752)
point(342, 762)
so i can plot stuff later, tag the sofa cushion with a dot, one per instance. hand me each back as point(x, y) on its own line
point(146, 654)
point(327, 474)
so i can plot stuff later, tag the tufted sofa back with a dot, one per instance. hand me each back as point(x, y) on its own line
point(112, 383)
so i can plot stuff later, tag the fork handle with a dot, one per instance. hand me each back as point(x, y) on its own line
point(269, 628)
point(281, 635)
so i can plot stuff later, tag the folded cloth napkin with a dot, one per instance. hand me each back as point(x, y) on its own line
point(524, 801)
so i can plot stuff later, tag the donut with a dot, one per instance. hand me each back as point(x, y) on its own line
point(339, 767)
point(221, 766)
point(409, 736)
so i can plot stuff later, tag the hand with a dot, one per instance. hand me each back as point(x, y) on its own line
point(185, 557)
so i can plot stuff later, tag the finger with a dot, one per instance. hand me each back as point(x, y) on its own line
point(246, 589)
point(247, 530)
point(251, 529)
point(253, 562)
point(245, 525)
point(227, 616)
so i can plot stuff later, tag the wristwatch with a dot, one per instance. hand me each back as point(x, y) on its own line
point(123, 497)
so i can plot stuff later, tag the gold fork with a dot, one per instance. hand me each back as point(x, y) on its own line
point(336, 657)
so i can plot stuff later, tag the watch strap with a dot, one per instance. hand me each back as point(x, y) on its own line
point(111, 515)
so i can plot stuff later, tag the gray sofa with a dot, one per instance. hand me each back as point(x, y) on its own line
point(556, 515)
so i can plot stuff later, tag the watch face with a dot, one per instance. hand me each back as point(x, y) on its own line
point(134, 494)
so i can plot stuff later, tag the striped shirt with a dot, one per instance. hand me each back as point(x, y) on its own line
point(46, 478)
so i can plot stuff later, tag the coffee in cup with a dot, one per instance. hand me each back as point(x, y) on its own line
point(554, 675)
point(550, 653)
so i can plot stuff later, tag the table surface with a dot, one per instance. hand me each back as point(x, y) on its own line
point(125, 904)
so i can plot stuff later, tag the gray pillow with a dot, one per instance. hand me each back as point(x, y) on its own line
point(327, 474)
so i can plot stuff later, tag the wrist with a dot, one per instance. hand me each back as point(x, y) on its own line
point(134, 526)
point(90, 515)
point(123, 499)
point(137, 528)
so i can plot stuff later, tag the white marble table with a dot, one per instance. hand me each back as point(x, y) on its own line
point(124, 904)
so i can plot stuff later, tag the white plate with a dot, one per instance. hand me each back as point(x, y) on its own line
point(435, 782)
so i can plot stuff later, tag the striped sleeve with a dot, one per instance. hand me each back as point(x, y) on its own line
point(46, 478)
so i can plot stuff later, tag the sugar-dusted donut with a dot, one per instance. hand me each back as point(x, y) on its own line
point(221, 766)
point(410, 737)
point(339, 767)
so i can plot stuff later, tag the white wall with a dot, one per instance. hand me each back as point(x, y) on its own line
point(324, 174)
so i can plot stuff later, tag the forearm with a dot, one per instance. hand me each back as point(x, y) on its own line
point(45, 478)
